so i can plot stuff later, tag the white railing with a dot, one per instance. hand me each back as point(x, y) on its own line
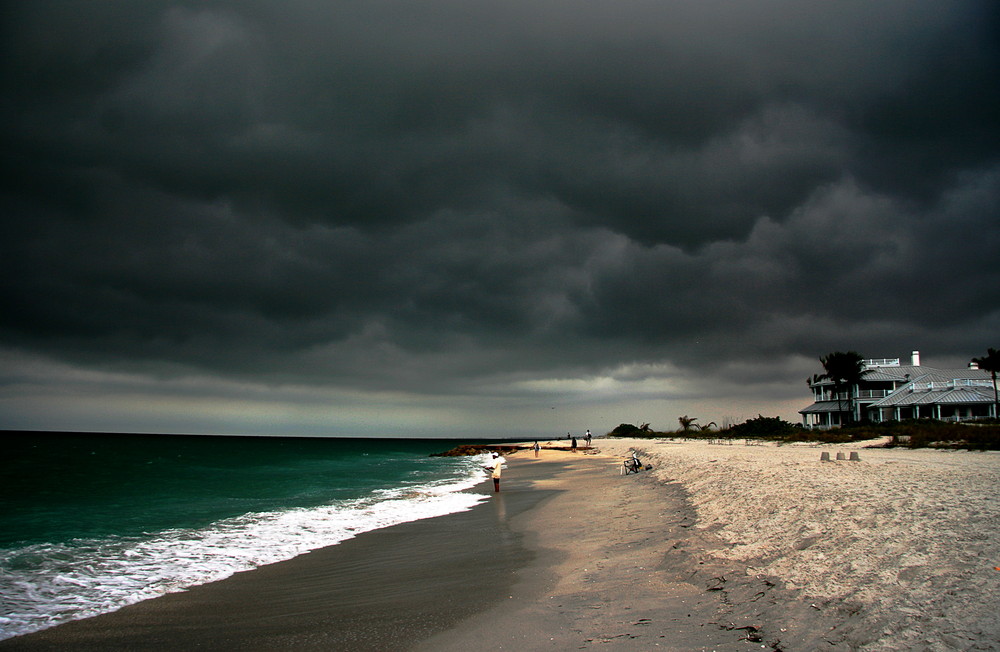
point(951, 384)
point(873, 393)
point(881, 362)
point(830, 396)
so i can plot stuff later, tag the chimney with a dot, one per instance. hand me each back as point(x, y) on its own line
point(915, 358)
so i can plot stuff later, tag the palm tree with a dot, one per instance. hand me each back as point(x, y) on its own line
point(845, 370)
point(687, 423)
point(991, 363)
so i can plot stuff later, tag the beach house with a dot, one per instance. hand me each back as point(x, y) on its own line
point(892, 391)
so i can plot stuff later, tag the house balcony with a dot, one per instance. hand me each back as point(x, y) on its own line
point(830, 396)
point(951, 384)
point(881, 362)
point(873, 393)
point(863, 395)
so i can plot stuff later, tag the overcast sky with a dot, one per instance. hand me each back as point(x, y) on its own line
point(456, 217)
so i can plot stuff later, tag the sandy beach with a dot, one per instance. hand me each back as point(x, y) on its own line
point(898, 550)
point(718, 547)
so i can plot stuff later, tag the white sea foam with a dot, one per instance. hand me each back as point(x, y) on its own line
point(47, 584)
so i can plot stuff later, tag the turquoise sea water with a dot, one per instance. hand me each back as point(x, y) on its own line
point(91, 522)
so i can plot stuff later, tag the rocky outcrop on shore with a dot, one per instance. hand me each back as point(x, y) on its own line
point(479, 449)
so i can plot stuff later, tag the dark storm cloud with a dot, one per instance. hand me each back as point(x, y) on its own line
point(419, 196)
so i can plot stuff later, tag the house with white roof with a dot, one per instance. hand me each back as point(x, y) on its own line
point(892, 391)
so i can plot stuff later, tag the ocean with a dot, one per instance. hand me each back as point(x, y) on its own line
point(92, 522)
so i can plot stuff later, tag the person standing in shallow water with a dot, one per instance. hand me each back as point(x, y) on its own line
point(497, 465)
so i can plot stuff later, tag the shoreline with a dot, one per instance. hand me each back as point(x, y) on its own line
point(568, 554)
point(379, 590)
point(716, 548)
point(441, 583)
point(619, 566)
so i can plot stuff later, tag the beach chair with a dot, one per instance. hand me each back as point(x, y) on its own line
point(630, 465)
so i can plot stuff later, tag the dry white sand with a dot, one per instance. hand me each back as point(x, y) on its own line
point(903, 543)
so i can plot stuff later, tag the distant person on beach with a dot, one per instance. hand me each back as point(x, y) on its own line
point(537, 448)
point(573, 445)
point(636, 463)
point(497, 466)
point(588, 437)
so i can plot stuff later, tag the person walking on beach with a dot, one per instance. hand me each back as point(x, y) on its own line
point(537, 448)
point(573, 445)
point(588, 437)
